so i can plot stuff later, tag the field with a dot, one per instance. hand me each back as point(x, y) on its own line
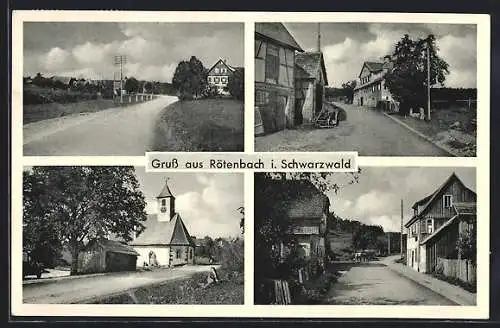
point(201, 125)
point(187, 291)
point(46, 103)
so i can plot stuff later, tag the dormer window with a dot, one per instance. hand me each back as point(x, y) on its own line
point(429, 226)
point(447, 201)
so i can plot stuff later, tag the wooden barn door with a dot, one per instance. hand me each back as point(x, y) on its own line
point(281, 112)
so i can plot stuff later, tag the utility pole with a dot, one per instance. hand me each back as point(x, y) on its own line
point(319, 38)
point(401, 235)
point(119, 61)
point(428, 81)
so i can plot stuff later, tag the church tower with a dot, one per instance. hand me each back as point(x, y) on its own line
point(165, 203)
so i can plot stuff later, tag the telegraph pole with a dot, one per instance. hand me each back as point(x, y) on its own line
point(388, 243)
point(119, 61)
point(401, 236)
point(428, 81)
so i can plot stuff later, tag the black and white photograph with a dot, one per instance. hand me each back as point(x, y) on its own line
point(383, 89)
point(119, 235)
point(124, 88)
point(380, 236)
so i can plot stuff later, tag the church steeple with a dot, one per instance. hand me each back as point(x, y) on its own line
point(165, 203)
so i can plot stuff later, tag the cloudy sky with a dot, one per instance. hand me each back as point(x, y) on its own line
point(153, 50)
point(347, 45)
point(376, 199)
point(206, 202)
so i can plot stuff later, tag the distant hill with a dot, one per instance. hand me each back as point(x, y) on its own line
point(345, 236)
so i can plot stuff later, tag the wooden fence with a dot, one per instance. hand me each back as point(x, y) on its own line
point(134, 98)
point(461, 269)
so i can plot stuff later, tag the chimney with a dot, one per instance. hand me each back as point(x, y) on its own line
point(319, 38)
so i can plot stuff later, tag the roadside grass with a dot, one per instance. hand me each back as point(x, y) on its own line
point(201, 125)
point(470, 287)
point(461, 139)
point(35, 113)
point(186, 291)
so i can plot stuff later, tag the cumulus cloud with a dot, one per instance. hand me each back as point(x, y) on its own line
point(153, 50)
point(347, 46)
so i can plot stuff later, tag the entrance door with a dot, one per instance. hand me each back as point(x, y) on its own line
point(412, 258)
point(298, 118)
point(361, 101)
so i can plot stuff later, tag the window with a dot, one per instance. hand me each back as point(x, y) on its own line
point(272, 64)
point(447, 201)
point(216, 70)
point(223, 79)
point(216, 80)
point(429, 226)
point(261, 97)
point(177, 253)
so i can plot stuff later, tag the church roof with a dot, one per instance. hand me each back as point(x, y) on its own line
point(156, 232)
point(165, 192)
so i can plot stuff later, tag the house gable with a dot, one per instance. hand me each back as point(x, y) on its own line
point(433, 203)
point(220, 65)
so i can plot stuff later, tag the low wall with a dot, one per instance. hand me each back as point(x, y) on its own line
point(135, 98)
point(461, 269)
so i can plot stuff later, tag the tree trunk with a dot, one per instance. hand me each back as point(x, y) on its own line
point(74, 261)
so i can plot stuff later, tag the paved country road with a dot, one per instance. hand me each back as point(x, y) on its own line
point(86, 289)
point(124, 131)
point(365, 130)
point(376, 284)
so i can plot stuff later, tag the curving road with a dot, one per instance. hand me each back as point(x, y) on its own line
point(125, 131)
point(85, 289)
point(365, 130)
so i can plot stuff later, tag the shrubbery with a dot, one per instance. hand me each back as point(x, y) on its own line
point(231, 255)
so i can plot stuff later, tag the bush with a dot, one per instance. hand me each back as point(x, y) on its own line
point(231, 256)
point(236, 84)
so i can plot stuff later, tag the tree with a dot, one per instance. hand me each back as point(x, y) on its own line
point(236, 84)
point(407, 80)
point(271, 209)
point(190, 78)
point(348, 90)
point(148, 87)
point(241, 209)
point(131, 85)
point(72, 205)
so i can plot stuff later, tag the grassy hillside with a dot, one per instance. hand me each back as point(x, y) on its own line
point(201, 125)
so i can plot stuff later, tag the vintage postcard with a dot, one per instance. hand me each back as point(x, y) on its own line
point(140, 189)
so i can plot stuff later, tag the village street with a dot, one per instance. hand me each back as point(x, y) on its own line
point(87, 288)
point(124, 131)
point(376, 284)
point(367, 131)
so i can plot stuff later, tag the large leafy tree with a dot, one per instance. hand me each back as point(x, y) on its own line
point(131, 85)
point(348, 89)
point(236, 84)
point(71, 205)
point(190, 78)
point(407, 79)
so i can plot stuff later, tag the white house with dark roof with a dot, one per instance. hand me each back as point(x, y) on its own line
point(165, 240)
point(218, 75)
point(437, 222)
point(371, 90)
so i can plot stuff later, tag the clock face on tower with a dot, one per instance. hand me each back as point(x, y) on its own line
point(163, 209)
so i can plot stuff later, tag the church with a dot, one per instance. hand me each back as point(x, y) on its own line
point(165, 240)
